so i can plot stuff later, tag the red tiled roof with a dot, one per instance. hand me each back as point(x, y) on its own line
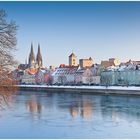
point(32, 71)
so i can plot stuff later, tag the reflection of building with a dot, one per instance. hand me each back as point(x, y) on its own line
point(85, 62)
point(83, 108)
point(86, 111)
point(34, 107)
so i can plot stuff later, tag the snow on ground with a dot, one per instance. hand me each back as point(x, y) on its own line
point(87, 87)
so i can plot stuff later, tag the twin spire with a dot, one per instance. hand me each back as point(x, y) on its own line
point(32, 62)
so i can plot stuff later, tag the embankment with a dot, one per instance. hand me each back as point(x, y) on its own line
point(116, 90)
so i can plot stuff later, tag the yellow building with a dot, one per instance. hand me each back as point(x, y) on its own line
point(72, 60)
point(115, 61)
point(85, 62)
point(110, 62)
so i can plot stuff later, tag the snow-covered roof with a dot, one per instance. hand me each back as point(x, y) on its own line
point(65, 70)
point(122, 67)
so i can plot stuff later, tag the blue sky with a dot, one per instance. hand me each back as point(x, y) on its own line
point(97, 29)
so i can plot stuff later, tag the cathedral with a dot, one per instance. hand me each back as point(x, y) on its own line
point(35, 62)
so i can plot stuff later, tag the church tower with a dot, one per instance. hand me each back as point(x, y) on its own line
point(72, 60)
point(39, 58)
point(31, 61)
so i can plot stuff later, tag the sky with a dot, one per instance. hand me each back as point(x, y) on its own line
point(100, 30)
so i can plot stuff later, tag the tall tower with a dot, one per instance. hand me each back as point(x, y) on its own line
point(72, 60)
point(31, 61)
point(39, 58)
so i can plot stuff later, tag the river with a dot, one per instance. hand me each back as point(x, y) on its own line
point(69, 115)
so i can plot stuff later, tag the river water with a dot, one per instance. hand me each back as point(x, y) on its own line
point(69, 115)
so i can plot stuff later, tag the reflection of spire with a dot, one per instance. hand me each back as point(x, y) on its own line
point(34, 107)
point(74, 111)
point(39, 57)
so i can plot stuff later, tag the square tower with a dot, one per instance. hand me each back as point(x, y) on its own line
point(72, 60)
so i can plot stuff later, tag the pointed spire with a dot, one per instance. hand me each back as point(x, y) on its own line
point(39, 52)
point(39, 57)
point(31, 56)
point(32, 51)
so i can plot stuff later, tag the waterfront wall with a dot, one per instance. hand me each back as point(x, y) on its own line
point(95, 90)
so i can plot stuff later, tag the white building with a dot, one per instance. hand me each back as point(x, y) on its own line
point(64, 75)
point(86, 76)
point(28, 79)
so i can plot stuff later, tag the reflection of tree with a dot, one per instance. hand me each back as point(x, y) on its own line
point(3, 101)
point(5, 93)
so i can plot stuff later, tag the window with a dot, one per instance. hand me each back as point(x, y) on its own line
point(74, 61)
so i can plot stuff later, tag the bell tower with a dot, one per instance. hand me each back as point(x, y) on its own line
point(72, 60)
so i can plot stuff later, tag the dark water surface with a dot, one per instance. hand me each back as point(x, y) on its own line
point(65, 115)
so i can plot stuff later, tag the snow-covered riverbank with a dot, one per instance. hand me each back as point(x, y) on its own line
point(86, 87)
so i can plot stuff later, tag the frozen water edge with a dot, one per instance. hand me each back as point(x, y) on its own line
point(87, 87)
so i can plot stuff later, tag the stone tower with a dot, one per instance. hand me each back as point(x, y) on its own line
point(72, 60)
point(31, 60)
point(39, 58)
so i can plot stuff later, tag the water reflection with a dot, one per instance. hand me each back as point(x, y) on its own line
point(80, 113)
point(34, 107)
point(5, 96)
point(84, 106)
point(77, 106)
point(120, 107)
point(87, 110)
point(84, 109)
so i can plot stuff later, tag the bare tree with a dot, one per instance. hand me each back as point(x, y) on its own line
point(7, 48)
point(7, 45)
